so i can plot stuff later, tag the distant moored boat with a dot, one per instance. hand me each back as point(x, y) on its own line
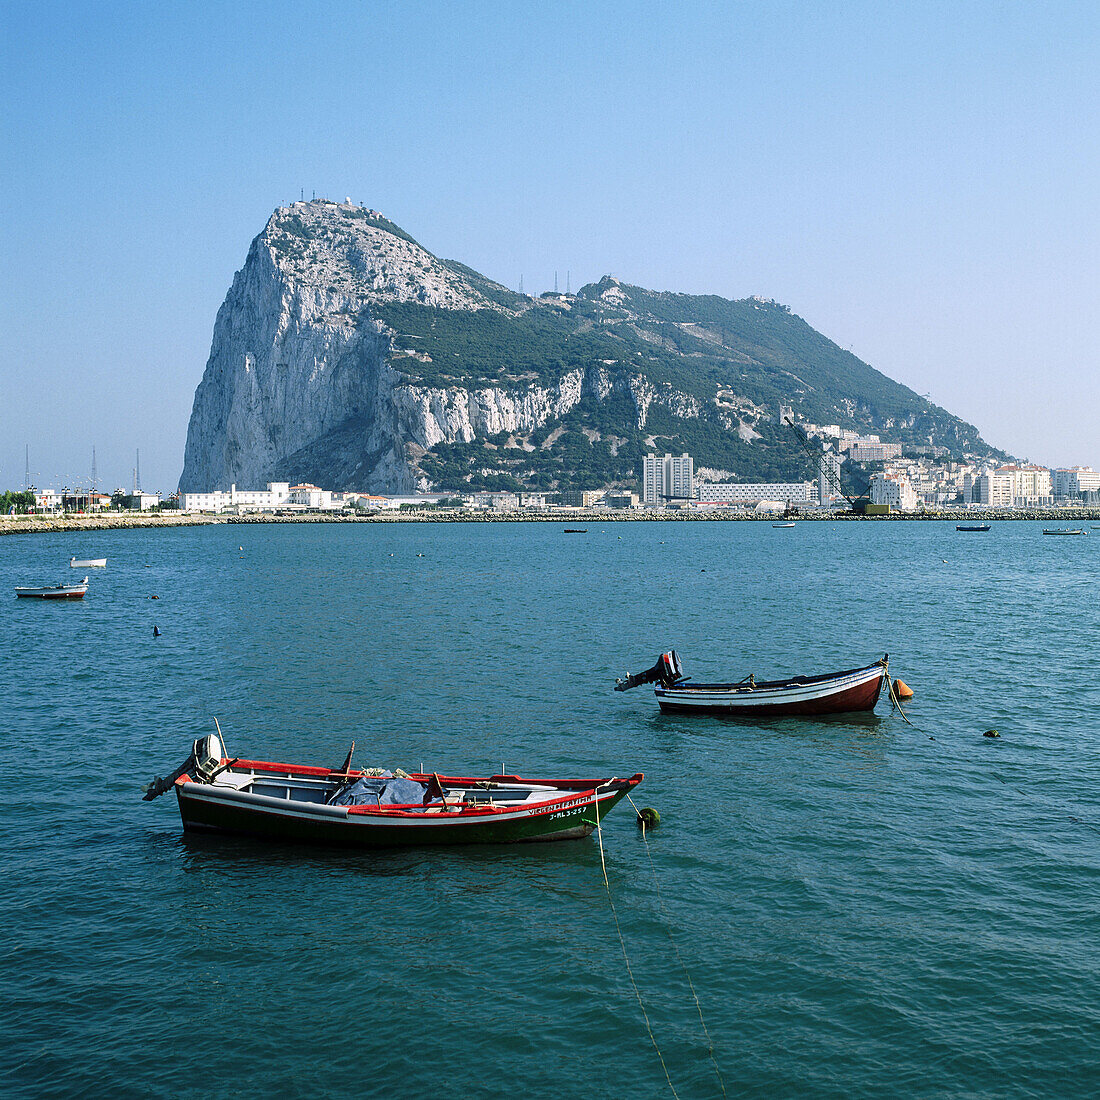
point(832, 693)
point(55, 592)
point(87, 563)
point(972, 527)
point(1063, 531)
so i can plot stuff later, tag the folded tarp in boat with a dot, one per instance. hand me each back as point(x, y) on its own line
point(383, 790)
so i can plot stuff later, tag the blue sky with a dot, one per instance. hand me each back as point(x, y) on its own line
point(917, 180)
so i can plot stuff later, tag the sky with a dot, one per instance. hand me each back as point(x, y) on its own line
point(919, 181)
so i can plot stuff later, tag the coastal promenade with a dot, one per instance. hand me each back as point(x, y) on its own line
point(37, 524)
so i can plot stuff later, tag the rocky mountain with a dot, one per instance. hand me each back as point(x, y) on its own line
point(348, 355)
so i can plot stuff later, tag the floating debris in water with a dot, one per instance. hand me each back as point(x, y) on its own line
point(991, 733)
point(156, 631)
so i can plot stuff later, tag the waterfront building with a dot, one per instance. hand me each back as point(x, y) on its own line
point(1030, 485)
point(85, 500)
point(796, 492)
point(894, 491)
point(1075, 481)
point(667, 478)
point(248, 500)
point(136, 501)
point(993, 489)
point(309, 496)
point(828, 476)
point(575, 498)
point(622, 500)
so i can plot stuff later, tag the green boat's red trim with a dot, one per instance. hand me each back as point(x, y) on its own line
point(571, 811)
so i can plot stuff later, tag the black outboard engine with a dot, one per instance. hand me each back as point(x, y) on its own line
point(667, 671)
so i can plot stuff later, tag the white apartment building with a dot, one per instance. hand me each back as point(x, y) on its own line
point(1030, 485)
point(1075, 481)
point(993, 489)
point(251, 500)
point(797, 492)
point(894, 491)
point(668, 478)
point(309, 496)
point(870, 450)
point(828, 476)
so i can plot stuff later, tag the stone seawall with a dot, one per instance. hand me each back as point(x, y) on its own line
point(18, 525)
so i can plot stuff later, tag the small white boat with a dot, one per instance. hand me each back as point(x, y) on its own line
point(55, 591)
point(782, 524)
point(87, 563)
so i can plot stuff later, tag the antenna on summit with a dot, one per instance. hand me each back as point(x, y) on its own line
point(27, 472)
point(521, 284)
point(555, 282)
point(95, 476)
point(567, 282)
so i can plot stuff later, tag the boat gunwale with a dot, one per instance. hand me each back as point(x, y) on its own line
point(409, 813)
point(794, 682)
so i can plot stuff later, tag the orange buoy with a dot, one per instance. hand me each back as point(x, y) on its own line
point(902, 690)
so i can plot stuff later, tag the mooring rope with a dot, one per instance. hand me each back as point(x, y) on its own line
point(895, 701)
point(626, 959)
point(679, 957)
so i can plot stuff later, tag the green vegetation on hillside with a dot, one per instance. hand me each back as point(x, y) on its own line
point(738, 359)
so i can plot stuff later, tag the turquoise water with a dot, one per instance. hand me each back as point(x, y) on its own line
point(863, 911)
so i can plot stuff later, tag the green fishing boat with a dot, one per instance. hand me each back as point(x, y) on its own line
point(373, 809)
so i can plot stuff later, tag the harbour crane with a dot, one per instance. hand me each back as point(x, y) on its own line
point(831, 475)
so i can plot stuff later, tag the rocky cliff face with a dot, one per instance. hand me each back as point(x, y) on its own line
point(347, 355)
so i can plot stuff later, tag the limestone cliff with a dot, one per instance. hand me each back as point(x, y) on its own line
point(348, 355)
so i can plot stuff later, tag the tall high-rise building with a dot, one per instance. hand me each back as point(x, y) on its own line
point(828, 476)
point(667, 478)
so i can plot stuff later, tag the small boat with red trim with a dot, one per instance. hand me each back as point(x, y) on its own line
point(54, 592)
point(855, 689)
point(377, 809)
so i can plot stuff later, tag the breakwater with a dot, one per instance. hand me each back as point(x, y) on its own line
point(16, 525)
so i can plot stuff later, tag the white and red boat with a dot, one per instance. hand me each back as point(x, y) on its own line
point(855, 689)
point(55, 591)
point(374, 809)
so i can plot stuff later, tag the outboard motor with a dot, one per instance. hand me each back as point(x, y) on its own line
point(667, 671)
point(202, 765)
point(207, 753)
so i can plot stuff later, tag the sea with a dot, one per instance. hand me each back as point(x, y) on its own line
point(865, 906)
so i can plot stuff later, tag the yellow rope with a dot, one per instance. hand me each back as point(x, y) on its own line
point(679, 958)
point(622, 944)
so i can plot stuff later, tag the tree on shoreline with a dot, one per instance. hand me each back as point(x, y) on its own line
point(18, 503)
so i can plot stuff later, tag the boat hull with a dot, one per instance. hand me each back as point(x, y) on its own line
point(51, 594)
point(837, 693)
point(208, 808)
